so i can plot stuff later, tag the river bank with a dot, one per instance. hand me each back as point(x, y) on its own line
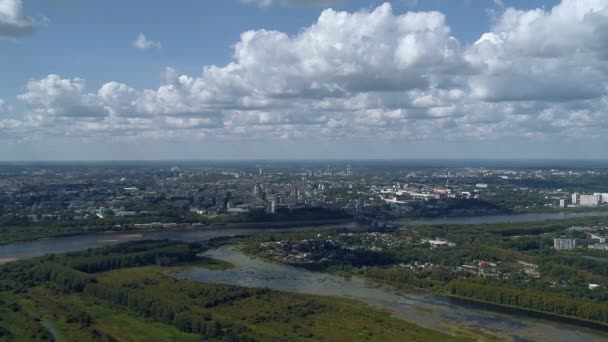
point(474, 303)
point(87, 239)
point(499, 308)
point(182, 227)
point(7, 260)
point(29, 236)
point(430, 310)
point(438, 310)
point(515, 218)
point(35, 248)
point(83, 296)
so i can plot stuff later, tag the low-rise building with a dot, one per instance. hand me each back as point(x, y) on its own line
point(599, 239)
point(601, 246)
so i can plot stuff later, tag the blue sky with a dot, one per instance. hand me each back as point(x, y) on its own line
point(470, 78)
point(93, 39)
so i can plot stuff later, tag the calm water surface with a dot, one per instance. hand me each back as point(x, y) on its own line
point(502, 218)
point(429, 310)
point(30, 249)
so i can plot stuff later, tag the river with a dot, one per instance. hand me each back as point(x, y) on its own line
point(36, 248)
point(425, 309)
point(538, 217)
point(31, 249)
point(65, 244)
point(429, 310)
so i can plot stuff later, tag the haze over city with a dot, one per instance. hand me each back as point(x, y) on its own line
point(264, 79)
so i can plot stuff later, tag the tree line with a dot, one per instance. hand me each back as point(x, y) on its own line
point(169, 312)
point(555, 303)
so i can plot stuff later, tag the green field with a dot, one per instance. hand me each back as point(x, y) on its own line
point(128, 296)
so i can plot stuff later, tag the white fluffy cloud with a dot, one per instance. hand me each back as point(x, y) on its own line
point(537, 55)
point(368, 74)
point(54, 96)
point(344, 53)
point(143, 43)
point(13, 23)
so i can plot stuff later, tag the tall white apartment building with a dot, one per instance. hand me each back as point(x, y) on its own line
point(561, 243)
point(603, 196)
point(575, 198)
point(589, 200)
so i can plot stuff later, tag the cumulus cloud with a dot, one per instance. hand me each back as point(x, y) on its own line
point(13, 24)
point(54, 96)
point(369, 74)
point(2, 106)
point(143, 43)
point(344, 53)
point(555, 55)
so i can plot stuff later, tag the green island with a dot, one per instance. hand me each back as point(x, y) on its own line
point(510, 266)
point(125, 293)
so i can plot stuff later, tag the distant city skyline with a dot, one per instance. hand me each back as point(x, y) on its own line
point(288, 79)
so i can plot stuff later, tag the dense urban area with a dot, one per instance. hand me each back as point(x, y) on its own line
point(68, 198)
point(557, 269)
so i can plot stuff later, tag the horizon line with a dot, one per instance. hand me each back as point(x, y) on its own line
point(302, 159)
